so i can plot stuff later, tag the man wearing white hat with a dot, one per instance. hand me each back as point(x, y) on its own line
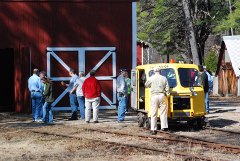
point(159, 91)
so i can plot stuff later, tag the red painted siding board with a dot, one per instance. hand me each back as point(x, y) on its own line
point(38, 25)
point(139, 53)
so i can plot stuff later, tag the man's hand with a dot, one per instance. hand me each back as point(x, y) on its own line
point(63, 84)
point(167, 94)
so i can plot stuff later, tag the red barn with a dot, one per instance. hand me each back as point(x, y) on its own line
point(55, 35)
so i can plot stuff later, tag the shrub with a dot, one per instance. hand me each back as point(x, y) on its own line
point(211, 61)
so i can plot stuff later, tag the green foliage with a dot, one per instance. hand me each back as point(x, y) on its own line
point(159, 23)
point(211, 61)
point(162, 23)
point(230, 20)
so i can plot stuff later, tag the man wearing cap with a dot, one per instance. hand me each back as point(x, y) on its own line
point(159, 90)
point(121, 94)
point(35, 87)
point(91, 89)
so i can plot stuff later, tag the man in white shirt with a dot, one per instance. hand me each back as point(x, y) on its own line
point(81, 100)
point(159, 89)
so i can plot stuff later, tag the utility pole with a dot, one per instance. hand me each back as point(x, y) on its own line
point(192, 38)
point(230, 11)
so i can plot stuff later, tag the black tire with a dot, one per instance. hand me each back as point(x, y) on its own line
point(197, 123)
point(147, 122)
point(141, 119)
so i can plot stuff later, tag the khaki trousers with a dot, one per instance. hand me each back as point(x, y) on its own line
point(91, 103)
point(156, 101)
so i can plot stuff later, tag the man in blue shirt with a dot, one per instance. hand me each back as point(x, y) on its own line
point(35, 87)
point(72, 96)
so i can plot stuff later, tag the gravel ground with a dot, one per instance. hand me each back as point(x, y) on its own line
point(19, 140)
point(224, 114)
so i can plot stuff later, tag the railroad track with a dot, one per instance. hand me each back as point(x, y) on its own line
point(184, 155)
point(170, 137)
point(223, 130)
point(207, 143)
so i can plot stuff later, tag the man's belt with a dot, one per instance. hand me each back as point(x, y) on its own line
point(121, 94)
point(35, 91)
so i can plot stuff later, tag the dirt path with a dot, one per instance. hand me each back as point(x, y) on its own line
point(18, 141)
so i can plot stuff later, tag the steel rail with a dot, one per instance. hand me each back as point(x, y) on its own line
point(180, 138)
point(223, 130)
point(230, 148)
point(186, 156)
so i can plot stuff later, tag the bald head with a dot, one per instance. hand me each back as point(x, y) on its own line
point(81, 74)
point(35, 71)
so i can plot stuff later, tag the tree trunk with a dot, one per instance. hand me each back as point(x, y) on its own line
point(191, 35)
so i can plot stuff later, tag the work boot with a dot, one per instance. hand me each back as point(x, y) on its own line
point(153, 132)
point(72, 118)
point(164, 129)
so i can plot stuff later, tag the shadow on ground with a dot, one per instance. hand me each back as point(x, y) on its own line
point(221, 122)
point(221, 111)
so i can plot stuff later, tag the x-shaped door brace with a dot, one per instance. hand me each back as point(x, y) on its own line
point(51, 51)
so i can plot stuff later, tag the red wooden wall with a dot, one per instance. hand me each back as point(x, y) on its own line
point(139, 53)
point(31, 27)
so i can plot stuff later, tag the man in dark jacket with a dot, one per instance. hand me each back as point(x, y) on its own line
point(49, 99)
point(204, 78)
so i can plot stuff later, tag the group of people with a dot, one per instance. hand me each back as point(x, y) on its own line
point(83, 92)
point(42, 97)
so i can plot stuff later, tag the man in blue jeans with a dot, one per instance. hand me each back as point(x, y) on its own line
point(72, 96)
point(78, 88)
point(48, 100)
point(35, 87)
point(42, 75)
point(121, 94)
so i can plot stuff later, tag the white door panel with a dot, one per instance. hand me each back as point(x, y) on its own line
point(82, 51)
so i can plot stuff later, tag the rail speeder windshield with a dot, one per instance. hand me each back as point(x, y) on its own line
point(189, 77)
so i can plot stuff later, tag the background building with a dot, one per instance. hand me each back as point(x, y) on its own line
point(228, 70)
point(61, 34)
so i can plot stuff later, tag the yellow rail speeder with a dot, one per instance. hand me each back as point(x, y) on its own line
point(186, 100)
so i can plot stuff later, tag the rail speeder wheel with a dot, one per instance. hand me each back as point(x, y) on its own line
point(147, 123)
point(141, 119)
point(197, 123)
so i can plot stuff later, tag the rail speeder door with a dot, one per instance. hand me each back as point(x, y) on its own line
point(134, 89)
